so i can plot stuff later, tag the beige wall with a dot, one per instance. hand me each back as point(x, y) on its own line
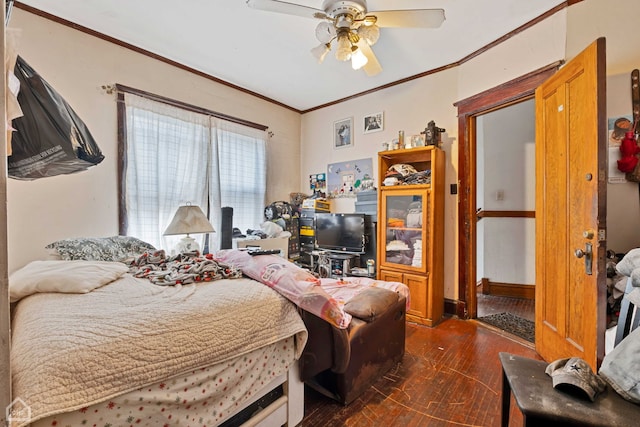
point(77, 65)
point(586, 21)
point(523, 53)
point(614, 20)
point(411, 105)
point(408, 107)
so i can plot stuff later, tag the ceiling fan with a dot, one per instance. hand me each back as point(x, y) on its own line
point(353, 27)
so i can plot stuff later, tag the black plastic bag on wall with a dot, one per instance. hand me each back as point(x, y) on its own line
point(49, 139)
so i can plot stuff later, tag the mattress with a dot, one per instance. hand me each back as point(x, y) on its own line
point(204, 397)
point(71, 352)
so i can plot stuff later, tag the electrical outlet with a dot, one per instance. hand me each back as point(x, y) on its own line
point(500, 195)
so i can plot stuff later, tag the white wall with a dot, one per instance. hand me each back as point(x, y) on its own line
point(77, 65)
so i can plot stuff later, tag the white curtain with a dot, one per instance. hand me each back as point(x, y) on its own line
point(167, 152)
point(175, 157)
point(238, 174)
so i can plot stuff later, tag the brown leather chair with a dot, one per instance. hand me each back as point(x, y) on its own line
point(343, 363)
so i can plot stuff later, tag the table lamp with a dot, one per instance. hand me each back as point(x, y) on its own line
point(189, 219)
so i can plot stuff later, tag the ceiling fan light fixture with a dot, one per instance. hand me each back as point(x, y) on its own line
point(321, 51)
point(370, 20)
point(370, 33)
point(353, 27)
point(358, 59)
point(343, 47)
point(325, 32)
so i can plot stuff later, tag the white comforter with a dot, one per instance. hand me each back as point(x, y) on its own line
point(73, 350)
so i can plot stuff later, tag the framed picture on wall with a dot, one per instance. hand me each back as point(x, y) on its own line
point(343, 133)
point(373, 122)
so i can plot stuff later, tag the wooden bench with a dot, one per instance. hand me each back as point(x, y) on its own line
point(542, 405)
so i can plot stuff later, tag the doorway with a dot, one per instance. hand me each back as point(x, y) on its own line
point(505, 227)
point(508, 94)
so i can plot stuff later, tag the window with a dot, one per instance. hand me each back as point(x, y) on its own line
point(172, 155)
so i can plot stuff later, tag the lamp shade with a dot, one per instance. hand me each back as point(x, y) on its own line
point(325, 32)
point(320, 51)
point(358, 59)
point(189, 219)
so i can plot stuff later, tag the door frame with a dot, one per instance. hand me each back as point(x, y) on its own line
point(511, 92)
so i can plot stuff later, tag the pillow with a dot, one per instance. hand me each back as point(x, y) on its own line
point(116, 248)
point(370, 303)
point(52, 255)
point(629, 262)
point(297, 285)
point(398, 287)
point(621, 367)
point(63, 276)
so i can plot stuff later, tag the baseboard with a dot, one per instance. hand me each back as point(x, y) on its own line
point(455, 308)
point(513, 290)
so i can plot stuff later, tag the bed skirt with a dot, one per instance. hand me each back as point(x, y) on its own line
point(205, 397)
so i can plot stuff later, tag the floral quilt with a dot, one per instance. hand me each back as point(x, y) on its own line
point(181, 269)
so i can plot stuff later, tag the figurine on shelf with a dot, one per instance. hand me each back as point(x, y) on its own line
point(433, 134)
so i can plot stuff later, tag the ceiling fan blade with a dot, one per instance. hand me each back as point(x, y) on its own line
point(372, 67)
point(415, 18)
point(288, 8)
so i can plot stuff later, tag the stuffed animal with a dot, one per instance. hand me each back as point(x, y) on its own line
point(628, 149)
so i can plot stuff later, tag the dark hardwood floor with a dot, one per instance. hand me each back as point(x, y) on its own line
point(450, 376)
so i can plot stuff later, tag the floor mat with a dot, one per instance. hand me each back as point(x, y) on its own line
point(512, 324)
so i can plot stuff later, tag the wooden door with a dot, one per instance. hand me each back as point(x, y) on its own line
point(571, 209)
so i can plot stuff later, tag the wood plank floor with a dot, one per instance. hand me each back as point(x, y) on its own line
point(450, 376)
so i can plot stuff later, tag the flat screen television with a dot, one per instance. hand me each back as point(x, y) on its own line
point(340, 232)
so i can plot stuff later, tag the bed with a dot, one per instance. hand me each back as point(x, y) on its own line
point(130, 351)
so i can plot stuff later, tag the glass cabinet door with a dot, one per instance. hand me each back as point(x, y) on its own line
point(404, 215)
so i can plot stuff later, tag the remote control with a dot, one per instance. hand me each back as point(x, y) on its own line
point(264, 252)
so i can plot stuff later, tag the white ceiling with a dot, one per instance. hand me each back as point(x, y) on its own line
point(268, 53)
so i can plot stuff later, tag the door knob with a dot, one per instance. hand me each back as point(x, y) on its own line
point(587, 255)
point(588, 234)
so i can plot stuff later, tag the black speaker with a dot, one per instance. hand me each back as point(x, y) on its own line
point(370, 244)
point(226, 240)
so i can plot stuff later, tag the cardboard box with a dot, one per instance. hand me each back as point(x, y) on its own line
point(318, 205)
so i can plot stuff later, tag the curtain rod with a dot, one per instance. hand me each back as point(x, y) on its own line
point(175, 103)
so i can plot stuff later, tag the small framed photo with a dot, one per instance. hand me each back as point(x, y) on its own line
point(373, 123)
point(343, 133)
